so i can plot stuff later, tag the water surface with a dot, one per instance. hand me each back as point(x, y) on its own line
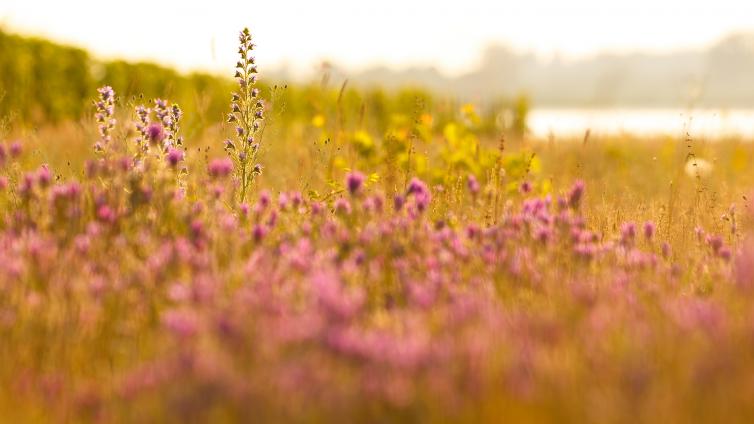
point(700, 123)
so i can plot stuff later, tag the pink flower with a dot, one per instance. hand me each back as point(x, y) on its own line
point(398, 202)
point(44, 177)
point(264, 199)
point(16, 149)
point(258, 232)
point(342, 206)
point(182, 323)
point(665, 250)
point(316, 208)
point(715, 242)
point(243, 208)
point(472, 184)
point(725, 253)
point(219, 168)
point(283, 201)
point(576, 193)
point(174, 156)
point(105, 214)
point(627, 233)
point(421, 193)
point(417, 187)
point(155, 133)
point(649, 230)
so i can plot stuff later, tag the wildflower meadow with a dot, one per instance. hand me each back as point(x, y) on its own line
point(321, 254)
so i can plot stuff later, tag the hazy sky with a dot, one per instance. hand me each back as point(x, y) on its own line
point(449, 35)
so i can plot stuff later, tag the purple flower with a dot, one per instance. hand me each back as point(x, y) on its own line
point(715, 242)
point(174, 156)
point(586, 250)
point(417, 186)
point(421, 193)
point(398, 202)
point(283, 201)
point(297, 199)
point(16, 149)
point(265, 198)
point(355, 182)
point(316, 208)
point(665, 250)
point(155, 133)
point(258, 232)
point(44, 177)
point(106, 93)
point(220, 167)
point(342, 206)
point(196, 229)
point(627, 233)
point(543, 235)
point(422, 201)
point(181, 323)
point(105, 109)
point(725, 253)
point(472, 184)
point(649, 230)
point(105, 214)
point(576, 193)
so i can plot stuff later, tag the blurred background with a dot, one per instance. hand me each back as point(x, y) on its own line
point(637, 66)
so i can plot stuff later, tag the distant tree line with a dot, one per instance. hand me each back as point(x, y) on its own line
point(43, 82)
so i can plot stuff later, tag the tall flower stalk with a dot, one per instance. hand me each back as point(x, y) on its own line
point(105, 106)
point(247, 112)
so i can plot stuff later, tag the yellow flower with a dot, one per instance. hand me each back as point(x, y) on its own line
point(318, 121)
point(426, 119)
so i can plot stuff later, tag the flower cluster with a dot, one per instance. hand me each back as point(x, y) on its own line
point(169, 117)
point(348, 306)
point(160, 136)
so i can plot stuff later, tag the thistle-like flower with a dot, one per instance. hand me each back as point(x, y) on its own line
point(247, 113)
point(355, 182)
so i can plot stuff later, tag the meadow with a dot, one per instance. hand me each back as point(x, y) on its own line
point(324, 253)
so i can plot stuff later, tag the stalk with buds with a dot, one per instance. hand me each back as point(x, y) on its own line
point(247, 112)
point(105, 106)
